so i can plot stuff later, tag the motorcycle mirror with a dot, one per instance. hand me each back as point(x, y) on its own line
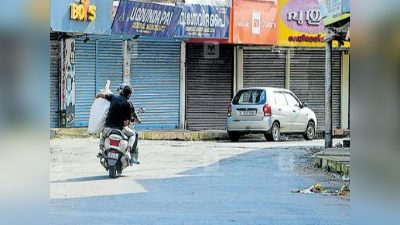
point(141, 110)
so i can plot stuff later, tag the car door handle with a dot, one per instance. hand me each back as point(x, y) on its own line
point(294, 111)
point(280, 109)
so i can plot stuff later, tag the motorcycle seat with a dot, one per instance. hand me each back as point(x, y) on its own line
point(117, 132)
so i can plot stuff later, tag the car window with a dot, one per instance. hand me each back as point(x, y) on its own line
point(292, 101)
point(250, 97)
point(280, 98)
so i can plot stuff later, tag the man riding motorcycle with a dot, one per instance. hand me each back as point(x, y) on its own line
point(119, 117)
point(135, 150)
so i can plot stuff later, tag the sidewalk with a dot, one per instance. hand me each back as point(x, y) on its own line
point(179, 135)
point(175, 134)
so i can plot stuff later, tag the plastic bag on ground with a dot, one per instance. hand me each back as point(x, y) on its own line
point(99, 112)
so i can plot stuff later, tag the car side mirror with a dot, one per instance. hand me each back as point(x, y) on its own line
point(305, 104)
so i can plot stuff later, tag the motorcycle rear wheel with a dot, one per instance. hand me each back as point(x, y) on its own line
point(112, 171)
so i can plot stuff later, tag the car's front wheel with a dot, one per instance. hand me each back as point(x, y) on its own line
point(274, 134)
point(310, 131)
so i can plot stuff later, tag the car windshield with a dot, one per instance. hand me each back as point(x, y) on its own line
point(250, 97)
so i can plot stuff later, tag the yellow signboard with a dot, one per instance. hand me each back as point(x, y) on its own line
point(301, 24)
point(83, 11)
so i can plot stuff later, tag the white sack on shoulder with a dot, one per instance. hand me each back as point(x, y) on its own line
point(99, 112)
point(98, 115)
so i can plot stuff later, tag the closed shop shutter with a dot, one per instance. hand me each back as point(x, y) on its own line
point(264, 68)
point(209, 87)
point(54, 81)
point(110, 64)
point(155, 77)
point(85, 80)
point(307, 80)
point(336, 88)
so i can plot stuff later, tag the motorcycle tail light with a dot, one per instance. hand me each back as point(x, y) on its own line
point(114, 142)
point(113, 151)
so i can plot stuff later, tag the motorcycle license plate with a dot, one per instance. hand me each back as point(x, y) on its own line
point(113, 155)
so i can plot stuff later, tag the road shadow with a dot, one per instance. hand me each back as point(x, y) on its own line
point(249, 188)
point(81, 179)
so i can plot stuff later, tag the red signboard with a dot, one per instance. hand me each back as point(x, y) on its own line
point(255, 22)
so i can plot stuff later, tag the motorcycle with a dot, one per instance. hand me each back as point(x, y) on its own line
point(115, 157)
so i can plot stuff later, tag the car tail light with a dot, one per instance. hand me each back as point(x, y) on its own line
point(114, 142)
point(267, 110)
point(229, 110)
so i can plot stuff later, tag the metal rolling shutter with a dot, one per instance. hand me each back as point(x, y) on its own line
point(209, 87)
point(263, 68)
point(336, 88)
point(155, 77)
point(307, 80)
point(54, 81)
point(85, 80)
point(110, 64)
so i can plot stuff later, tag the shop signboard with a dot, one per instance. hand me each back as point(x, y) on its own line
point(255, 22)
point(332, 11)
point(81, 16)
point(300, 23)
point(203, 21)
point(146, 19)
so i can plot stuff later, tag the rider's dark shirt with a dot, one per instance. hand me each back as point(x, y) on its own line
point(120, 110)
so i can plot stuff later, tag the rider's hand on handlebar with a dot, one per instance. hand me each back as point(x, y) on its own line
point(127, 122)
point(137, 120)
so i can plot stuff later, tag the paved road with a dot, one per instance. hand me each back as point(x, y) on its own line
point(189, 183)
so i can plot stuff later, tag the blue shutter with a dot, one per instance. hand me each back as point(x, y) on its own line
point(155, 77)
point(110, 63)
point(85, 80)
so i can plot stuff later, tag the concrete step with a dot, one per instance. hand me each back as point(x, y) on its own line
point(334, 160)
point(335, 152)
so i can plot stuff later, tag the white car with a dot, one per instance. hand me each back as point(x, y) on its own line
point(271, 111)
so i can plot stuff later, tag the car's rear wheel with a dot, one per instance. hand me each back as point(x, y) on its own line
point(310, 131)
point(274, 134)
point(233, 136)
